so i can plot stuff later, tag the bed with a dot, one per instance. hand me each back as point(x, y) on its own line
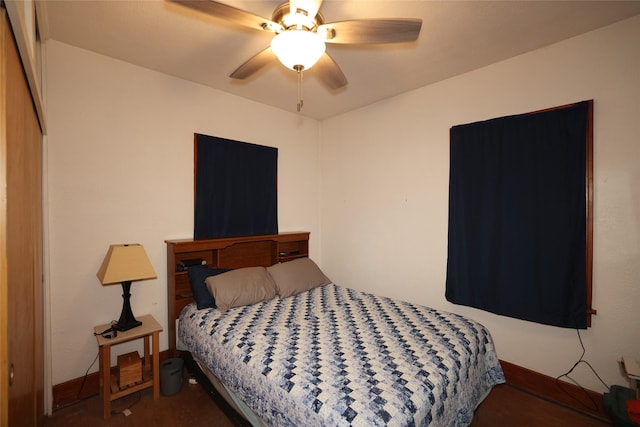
point(315, 353)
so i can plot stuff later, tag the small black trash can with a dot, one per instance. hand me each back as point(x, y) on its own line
point(171, 376)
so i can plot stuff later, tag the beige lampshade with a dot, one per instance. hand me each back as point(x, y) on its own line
point(125, 263)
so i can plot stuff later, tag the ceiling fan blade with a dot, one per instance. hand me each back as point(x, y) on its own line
point(230, 13)
point(254, 64)
point(368, 31)
point(329, 72)
point(310, 7)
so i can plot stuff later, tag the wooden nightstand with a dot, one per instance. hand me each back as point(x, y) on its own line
point(109, 389)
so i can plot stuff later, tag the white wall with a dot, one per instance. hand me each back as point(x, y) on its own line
point(120, 170)
point(385, 192)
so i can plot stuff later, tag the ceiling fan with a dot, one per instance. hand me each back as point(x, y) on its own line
point(301, 34)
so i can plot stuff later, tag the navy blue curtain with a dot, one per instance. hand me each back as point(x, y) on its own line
point(235, 188)
point(517, 216)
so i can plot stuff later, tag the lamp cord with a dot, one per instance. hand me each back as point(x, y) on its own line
point(84, 379)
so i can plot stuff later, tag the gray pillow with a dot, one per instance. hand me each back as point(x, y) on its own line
point(297, 276)
point(244, 286)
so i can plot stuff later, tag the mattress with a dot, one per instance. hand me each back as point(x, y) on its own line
point(333, 356)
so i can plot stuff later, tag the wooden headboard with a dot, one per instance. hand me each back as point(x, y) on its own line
point(232, 252)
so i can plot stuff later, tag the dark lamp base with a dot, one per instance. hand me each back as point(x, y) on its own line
point(126, 326)
point(127, 320)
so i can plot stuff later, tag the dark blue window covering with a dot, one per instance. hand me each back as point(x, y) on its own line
point(235, 188)
point(517, 216)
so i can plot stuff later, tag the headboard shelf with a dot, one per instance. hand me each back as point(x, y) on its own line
point(228, 252)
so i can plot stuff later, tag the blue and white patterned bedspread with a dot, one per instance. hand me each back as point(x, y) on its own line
point(333, 356)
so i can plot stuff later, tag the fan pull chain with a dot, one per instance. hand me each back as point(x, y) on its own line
point(299, 69)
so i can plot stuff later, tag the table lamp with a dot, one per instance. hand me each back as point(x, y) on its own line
point(124, 264)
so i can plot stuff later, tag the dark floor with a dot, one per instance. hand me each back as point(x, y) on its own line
point(193, 406)
point(508, 406)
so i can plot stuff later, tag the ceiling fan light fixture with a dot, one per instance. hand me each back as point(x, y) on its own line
point(298, 48)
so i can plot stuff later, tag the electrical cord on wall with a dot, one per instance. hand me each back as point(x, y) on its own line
point(84, 379)
point(109, 333)
point(566, 374)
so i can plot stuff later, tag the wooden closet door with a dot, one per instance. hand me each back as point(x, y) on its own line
point(22, 170)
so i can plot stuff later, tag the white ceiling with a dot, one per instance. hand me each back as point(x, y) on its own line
point(456, 37)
